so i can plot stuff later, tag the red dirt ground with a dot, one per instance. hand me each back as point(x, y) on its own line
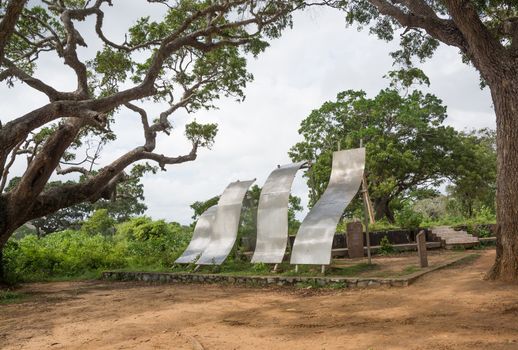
point(448, 309)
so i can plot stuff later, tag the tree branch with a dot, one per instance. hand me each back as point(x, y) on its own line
point(5, 172)
point(485, 50)
point(8, 22)
point(98, 186)
point(37, 84)
point(441, 29)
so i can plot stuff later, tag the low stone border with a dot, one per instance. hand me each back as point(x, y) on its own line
point(323, 281)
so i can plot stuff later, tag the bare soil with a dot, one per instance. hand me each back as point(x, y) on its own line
point(452, 308)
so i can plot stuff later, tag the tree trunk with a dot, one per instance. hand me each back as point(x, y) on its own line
point(2, 272)
point(505, 99)
point(382, 209)
point(4, 236)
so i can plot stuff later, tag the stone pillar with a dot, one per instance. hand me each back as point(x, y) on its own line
point(355, 239)
point(421, 248)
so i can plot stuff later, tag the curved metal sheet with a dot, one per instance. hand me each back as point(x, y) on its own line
point(224, 232)
point(200, 237)
point(272, 215)
point(314, 239)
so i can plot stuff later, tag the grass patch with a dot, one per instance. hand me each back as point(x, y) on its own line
point(410, 269)
point(466, 260)
point(10, 297)
point(241, 268)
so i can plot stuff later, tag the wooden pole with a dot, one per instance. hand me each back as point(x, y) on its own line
point(366, 213)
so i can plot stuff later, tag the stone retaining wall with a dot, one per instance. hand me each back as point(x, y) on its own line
point(337, 282)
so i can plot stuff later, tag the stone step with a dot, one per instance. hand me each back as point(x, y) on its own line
point(456, 241)
point(452, 238)
point(460, 238)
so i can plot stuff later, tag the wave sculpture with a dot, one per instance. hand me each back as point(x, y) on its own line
point(272, 215)
point(314, 238)
point(200, 237)
point(226, 223)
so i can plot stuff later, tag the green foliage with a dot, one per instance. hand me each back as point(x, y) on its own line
point(408, 147)
point(386, 248)
point(432, 208)
point(68, 254)
point(383, 225)
point(144, 228)
point(260, 267)
point(408, 218)
point(200, 207)
point(99, 223)
point(474, 185)
point(483, 232)
point(201, 134)
point(113, 67)
point(414, 42)
point(294, 206)
point(65, 253)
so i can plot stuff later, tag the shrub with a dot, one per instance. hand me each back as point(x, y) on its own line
point(386, 247)
point(432, 208)
point(144, 228)
point(409, 219)
point(99, 223)
point(482, 231)
point(140, 244)
point(68, 253)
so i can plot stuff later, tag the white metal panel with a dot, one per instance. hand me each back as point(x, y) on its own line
point(272, 215)
point(226, 224)
point(314, 238)
point(200, 237)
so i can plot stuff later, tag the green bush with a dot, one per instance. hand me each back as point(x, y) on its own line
point(144, 228)
point(408, 218)
point(99, 223)
point(66, 254)
point(386, 247)
point(139, 244)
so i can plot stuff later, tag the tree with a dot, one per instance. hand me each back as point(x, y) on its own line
point(125, 203)
point(473, 185)
point(99, 223)
point(186, 60)
point(486, 34)
point(408, 147)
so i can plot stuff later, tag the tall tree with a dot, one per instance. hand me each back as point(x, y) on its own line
point(408, 147)
point(473, 185)
point(486, 34)
point(190, 57)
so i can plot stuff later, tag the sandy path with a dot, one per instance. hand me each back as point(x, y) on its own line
point(450, 309)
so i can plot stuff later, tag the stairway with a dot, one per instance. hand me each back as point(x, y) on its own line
point(451, 238)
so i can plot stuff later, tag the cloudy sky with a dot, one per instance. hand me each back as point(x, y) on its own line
point(309, 65)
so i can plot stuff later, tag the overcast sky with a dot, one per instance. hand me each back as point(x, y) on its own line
point(309, 65)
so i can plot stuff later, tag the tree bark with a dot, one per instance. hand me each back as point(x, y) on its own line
point(2, 272)
point(505, 99)
point(382, 209)
point(4, 235)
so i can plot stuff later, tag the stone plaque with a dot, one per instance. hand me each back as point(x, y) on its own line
point(421, 248)
point(355, 239)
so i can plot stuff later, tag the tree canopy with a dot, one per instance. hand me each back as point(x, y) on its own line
point(186, 60)
point(408, 146)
